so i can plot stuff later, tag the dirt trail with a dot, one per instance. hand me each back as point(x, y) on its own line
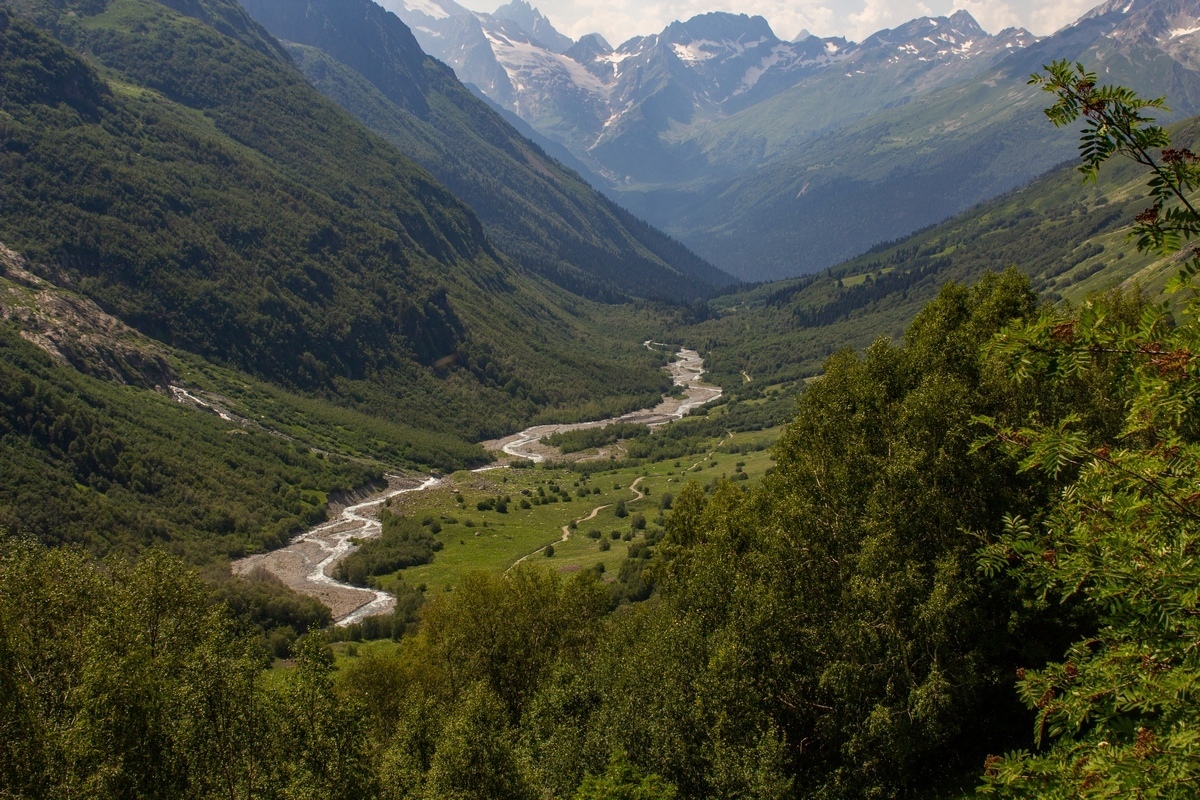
point(633, 488)
point(566, 529)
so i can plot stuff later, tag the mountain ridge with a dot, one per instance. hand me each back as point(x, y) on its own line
point(540, 213)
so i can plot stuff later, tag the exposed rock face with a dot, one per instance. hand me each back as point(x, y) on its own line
point(76, 331)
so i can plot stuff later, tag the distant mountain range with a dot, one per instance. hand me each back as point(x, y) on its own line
point(775, 158)
point(538, 212)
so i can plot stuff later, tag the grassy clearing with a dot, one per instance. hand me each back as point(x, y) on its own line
point(556, 497)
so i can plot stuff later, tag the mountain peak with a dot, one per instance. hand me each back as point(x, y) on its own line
point(719, 26)
point(533, 22)
point(963, 21)
point(596, 41)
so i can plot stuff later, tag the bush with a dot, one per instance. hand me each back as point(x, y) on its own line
point(620, 511)
point(549, 551)
point(402, 544)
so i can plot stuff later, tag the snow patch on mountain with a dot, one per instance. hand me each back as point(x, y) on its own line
point(526, 62)
point(695, 51)
point(428, 8)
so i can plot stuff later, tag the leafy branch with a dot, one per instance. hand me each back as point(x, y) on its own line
point(1116, 125)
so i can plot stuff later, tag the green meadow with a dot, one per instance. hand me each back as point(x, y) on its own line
point(490, 520)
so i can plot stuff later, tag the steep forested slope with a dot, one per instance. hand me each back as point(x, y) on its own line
point(174, 173)
point(203, 192)
point(1067, 235)
point(543, 215)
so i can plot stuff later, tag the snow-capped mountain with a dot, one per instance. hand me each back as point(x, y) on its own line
point(714, 61)
point(532, 21)
point(608, 105)
point(688, 125)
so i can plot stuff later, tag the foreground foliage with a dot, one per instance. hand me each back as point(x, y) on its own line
point(1117, 716)
point(1013, 489)
point(828, 633)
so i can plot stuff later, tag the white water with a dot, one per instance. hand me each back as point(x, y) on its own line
point(686, 371)
point(335, 539)
point(369, 527)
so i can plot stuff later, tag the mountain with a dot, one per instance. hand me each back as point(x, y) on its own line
point(541, 214)
point(691, 73)
point(531, 20)
point(774, 158)
point(713, 63)
point(1069, 237)
point(791, 195)
point(200, 191)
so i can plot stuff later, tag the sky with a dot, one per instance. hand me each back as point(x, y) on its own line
point(618, 20)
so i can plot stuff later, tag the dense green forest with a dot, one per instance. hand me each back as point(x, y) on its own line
point(178, 169)
point(946, 517)
point(971, 569)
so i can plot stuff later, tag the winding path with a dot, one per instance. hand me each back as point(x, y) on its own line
point(566, 529)
point(304, 563)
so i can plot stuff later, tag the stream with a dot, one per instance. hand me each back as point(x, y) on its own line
point(687, 371)
point(304, 563)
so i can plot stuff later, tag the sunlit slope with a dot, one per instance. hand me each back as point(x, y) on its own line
point(1070, 237)
point(201, 190)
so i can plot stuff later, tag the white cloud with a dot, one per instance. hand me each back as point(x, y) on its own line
point(992, 15)
point(619, 20)
point(1052, 16)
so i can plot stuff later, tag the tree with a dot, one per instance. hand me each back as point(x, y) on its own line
point(623, 781)
point(1115, 125)
point(325, 752)
point(1119, 714)
point(475, 758)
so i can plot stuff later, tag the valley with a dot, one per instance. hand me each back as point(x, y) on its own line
point(774, 159)
point(686, 369)
point(417, 402)
point(304, 563)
